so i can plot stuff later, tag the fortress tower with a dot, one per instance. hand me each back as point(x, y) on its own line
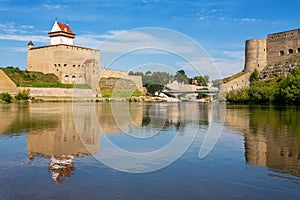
point(255, 55)
point(70, 63)
point(61, 34)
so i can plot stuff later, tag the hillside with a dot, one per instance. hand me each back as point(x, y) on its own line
point(280, 69)
point(37, 79)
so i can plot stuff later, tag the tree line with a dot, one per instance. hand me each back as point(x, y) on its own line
point(156, 81)
point(284, 90)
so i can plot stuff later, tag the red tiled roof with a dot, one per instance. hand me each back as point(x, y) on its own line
point(64, 27)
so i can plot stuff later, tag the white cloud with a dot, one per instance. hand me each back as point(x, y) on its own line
point(54, 6)
point(25, 38)
point(14, 49)
point(12, 28)
point(120, 41)
point(225, 64)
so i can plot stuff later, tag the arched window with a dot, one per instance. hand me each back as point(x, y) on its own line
point(66, 77)
point(298, 50)
point(291, 51)
point(73, 77)
point(281, 53)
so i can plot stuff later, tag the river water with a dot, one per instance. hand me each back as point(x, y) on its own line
point(149, 151)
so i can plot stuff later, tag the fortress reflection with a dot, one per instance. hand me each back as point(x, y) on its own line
point(271, 136)
point(52, 132)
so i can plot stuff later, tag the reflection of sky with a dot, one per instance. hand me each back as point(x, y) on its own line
point(160, 138)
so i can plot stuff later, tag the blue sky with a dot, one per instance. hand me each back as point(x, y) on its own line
point(221, 27)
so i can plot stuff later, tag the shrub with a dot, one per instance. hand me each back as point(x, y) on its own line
point(6, 97)
point(23, 95)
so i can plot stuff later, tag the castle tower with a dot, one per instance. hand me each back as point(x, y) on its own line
point(255, 55)
point(61, 34)
point(30, 45)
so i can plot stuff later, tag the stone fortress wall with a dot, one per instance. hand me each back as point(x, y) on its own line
point(65, 61)
point(283, 45)
point(260, 53)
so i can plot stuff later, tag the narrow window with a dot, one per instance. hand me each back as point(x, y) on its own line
point(66, 77)
point(65, 65)
point(281, 53)
point(73, 77)
point(74, 65)
point(298, 50)
point(291, 51)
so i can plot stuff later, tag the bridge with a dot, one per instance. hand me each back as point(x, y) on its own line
point(211, 91)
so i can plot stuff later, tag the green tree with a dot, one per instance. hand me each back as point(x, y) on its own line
point(181, 77)
point(254, 76)
point(154, 87)
point(201, 80)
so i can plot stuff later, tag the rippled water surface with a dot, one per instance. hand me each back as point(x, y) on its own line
point(93, 151)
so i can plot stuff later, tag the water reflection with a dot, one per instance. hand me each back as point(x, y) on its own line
point(272, 136)
point(52, 134)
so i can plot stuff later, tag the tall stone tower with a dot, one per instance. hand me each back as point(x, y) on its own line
point(255, 55)
point(61, 34)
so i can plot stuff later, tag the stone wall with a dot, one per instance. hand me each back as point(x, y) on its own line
point(6, 84)
point(110, 73)
point(283, 45)
point(237, 83)
point(65, 61)
point(277, 70)
point(60, 92)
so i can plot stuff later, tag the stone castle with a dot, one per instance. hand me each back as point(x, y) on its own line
point(260, 53)
point(70, 63)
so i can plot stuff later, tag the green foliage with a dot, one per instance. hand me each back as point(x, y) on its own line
point(254, 76)
point(279, 91)
point(201, 80)
point(154, 81)
point(181, 77)
point(37, 79)
point(154, 87)
point(6, 97)
point(288, 91)
point(23, 95)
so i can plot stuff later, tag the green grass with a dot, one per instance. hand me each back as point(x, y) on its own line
point(38, 79)
point(226, 80)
